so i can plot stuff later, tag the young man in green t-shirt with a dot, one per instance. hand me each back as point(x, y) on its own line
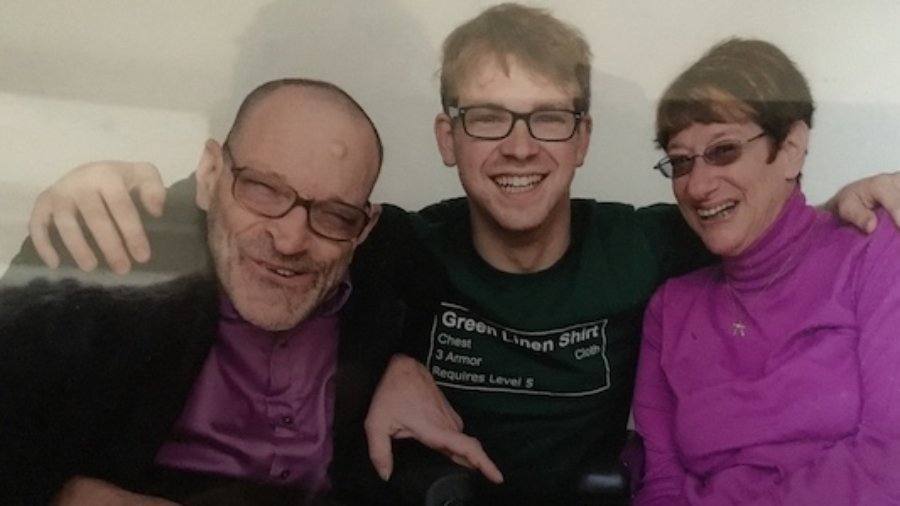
point(534, 340)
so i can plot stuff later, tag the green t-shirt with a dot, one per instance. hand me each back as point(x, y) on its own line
point(541, 366)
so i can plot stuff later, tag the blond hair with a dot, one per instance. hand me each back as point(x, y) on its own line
point(533, 37)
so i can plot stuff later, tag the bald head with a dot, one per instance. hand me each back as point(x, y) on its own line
point(320, 95)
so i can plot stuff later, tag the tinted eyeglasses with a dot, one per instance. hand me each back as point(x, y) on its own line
point(492, 123)
point(719, 154)
point(266, 196)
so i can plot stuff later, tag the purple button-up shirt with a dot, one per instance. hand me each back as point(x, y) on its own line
point(262, 408)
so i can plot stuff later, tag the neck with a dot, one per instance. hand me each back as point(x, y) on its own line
point(522, 251)
point(777, 252)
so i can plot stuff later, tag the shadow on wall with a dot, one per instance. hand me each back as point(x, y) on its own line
point(622, 149)
point(173, 57)
point(374, 50)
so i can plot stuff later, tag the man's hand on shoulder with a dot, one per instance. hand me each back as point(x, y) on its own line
point(82, 491)
point(408, 404)
point(856, 202)
point(99, 192)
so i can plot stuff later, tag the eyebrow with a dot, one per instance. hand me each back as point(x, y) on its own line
point(274, 180)
point(266, 174)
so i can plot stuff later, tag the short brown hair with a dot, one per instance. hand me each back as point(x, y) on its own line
point(737, 80)
point(534, 37)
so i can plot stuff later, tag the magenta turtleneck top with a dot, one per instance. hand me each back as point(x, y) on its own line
point(774, 378)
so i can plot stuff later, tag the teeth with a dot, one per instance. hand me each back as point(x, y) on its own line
point(707, 213)
point(285, 273)
point(518, 183)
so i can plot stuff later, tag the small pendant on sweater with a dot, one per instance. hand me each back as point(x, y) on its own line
point(738, 328)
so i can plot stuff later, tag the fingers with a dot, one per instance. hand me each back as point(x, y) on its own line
point(462, 449)
point(150, 188)
point(454, 416)
point(889, 195)
point(467, 451)
point(38, 229)
point(859, 214)
point(118, 207)
point(380, 451)
point(408, 403)
point(152, 193)
point(855, 203)
point(73, 239)
point(115, 192)
point(99, 221)
point(99, 193)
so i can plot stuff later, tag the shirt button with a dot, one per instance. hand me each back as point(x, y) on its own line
point(287, 420)
point(284, 474)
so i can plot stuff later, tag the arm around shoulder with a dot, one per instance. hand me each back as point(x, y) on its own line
point(178, 239)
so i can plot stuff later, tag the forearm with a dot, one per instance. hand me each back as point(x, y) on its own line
point(84, 491)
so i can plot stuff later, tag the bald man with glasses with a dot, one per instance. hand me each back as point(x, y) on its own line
point(243, 383)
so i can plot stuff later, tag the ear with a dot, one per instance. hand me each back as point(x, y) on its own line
point(210, 167)
point(374, 214)
point(443, 134)
point(583, 139)
point(794, 148)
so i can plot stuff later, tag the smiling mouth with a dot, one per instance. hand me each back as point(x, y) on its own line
point(285, 273)
point(518, 184)
point(281, 271)
point(718, 212)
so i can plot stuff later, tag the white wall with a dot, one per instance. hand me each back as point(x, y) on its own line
point(92, 79)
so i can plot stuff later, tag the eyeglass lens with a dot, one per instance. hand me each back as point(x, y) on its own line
point(719, 155)
point(331, 219)
point(494, 123)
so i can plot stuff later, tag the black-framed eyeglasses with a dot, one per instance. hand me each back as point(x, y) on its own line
point(718, 154)
point(492, 123)
point(266, 196)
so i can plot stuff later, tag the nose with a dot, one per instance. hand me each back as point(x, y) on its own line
point(519, 143)
point(702, 180)
point(290, 233)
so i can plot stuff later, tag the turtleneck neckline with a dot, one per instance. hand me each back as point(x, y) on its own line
point(778, 252)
